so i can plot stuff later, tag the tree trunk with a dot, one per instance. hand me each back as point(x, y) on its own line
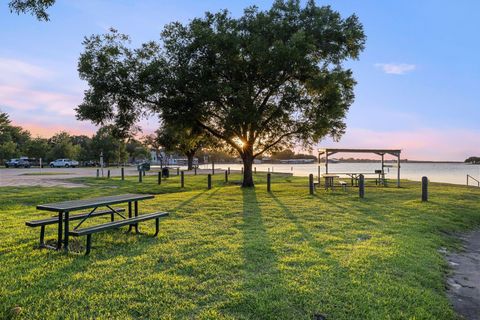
point(190, 160)
point(247, 158)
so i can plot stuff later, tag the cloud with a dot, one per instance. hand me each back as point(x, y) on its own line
point(25, 87)
point(23, 99)
point(396, 68)
point(15, 71)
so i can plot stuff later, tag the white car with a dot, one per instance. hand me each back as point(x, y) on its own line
point(64, 163)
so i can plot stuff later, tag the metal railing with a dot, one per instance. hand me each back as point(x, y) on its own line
point(470, 177)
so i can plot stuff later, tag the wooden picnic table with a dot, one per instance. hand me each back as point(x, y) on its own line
point(354, 176)
point(329, 178)
point(64, 208)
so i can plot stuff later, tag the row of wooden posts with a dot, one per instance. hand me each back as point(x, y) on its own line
point(311, 184)
point(361, 186)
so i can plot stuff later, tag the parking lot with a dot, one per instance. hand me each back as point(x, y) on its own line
point(50, 177)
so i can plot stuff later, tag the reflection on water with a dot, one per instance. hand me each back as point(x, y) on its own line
point(436, 172)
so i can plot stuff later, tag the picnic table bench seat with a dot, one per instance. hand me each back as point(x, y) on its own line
point(343, 184)
point(117, 224)
point(54, 220)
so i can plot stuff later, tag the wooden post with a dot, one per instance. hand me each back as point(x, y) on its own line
point(144, 172)
point(108, 174)
point(98, 173)
point(178, 171)
point(319, 177)
point(160, 177)
point(424, 189)
point(209, 181)
point(361, 186)
point(310, 183)
point(228, 170)
point(255, 170)
point(226, 175)
point(269, 181)
point(140, 176)
point(326, 162)
point(242, 170)
point(383, 170)
point(122, 173)
point(398, 171)
point(195, 170)
point(182, 179)
point(213, 167)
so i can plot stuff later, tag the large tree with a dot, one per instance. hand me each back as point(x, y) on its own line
point(259, 83)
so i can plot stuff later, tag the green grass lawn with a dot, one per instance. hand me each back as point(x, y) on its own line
point(228, 253)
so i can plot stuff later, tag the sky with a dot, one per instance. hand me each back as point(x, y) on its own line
point(418, 77)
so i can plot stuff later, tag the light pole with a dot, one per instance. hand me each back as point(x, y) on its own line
point(101, 161)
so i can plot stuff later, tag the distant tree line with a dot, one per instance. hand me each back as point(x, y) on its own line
point(16, 142)
point(474, 160)
point(290, 154)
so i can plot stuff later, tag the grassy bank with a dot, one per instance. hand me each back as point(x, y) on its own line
point(229, 253)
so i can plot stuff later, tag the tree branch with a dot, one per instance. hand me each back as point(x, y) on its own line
point(220, 136)
point(275, 142)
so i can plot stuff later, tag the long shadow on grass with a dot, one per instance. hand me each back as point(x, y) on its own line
point(264, 294)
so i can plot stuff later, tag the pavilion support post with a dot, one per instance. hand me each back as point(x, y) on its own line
point(326, 162)
point(383, 169)
point(319, 180)
point(383, 163)
point(398, 171)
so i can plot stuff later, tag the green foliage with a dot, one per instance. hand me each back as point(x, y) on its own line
point(114, 149)
point(474, 160)
point(37, 8)
point(290, 154)
point(231, 253)
point(137, 150)
point(12, 138)
point(284, 154)
point(8, 150)
point(37, 148)
point(62, 147)
point(258, 83)
point(184, 139)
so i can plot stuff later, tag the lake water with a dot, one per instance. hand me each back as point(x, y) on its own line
point(437, 172)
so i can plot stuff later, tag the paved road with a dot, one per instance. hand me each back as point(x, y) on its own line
point(50, 177)
point(464, 281)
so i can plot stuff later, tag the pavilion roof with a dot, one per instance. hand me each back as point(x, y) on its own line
point(330, 151)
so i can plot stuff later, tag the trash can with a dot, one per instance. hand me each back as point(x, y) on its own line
point(165, 172)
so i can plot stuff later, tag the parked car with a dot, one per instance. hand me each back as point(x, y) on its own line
point(92, 163)
point(17, 163)
point(64, 163)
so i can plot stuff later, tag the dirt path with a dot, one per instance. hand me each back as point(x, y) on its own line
point(464, 282)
